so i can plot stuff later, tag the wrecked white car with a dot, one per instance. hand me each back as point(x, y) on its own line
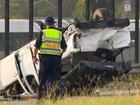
point(92, 49)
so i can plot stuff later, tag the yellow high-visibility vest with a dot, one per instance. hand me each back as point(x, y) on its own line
point(51, 41)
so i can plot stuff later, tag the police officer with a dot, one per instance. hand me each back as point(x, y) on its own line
point(52, 45)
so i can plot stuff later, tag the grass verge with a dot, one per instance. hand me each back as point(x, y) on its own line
point(115, 100)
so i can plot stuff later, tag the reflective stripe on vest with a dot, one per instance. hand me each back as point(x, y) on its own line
point(51, 41)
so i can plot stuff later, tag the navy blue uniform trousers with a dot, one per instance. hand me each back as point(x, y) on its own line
point(50, 70)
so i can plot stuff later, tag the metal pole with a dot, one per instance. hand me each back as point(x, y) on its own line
point(137, 38)
point(113, 7)
point(87, 14)
point(6, 38)
point(92, 6)
point(59, 13)
point(31, 19)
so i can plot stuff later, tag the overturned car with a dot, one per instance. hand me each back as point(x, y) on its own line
point(92, 50)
